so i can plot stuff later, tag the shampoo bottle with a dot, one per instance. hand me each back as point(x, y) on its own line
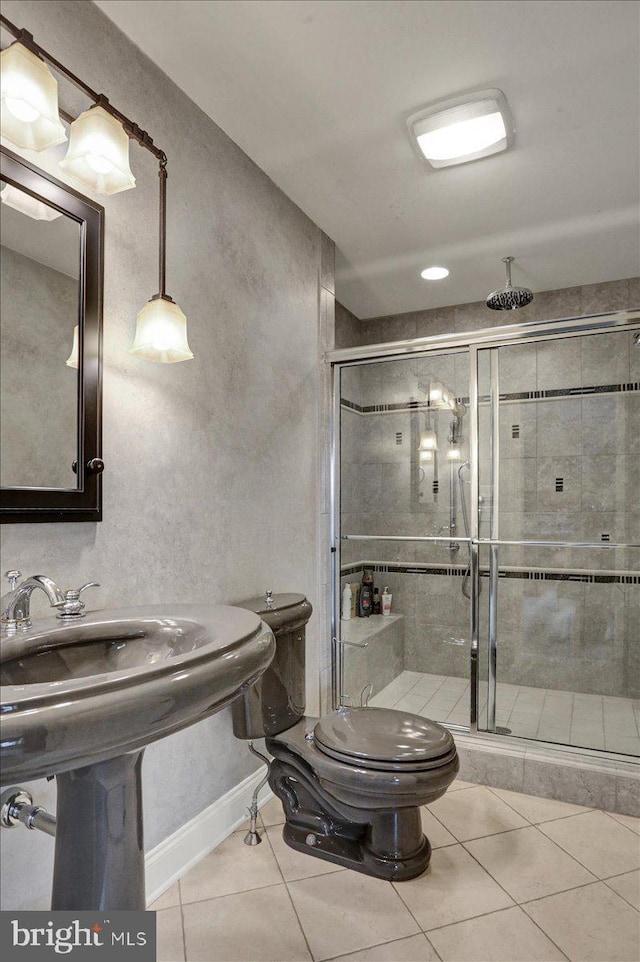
point(386, 602)
point(366, 595)
point(377, 604)
point(346, 603)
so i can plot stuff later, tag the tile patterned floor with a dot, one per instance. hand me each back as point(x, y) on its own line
point(566, 717)
point(513, 878)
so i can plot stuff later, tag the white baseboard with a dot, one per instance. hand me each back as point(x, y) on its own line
point(169, 860)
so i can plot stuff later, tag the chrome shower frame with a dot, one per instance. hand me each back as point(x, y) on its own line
point(473, 343)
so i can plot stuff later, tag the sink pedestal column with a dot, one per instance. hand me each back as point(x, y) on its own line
point(99, 856)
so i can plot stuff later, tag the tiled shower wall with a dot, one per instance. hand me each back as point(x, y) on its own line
point(546, 305)
point(569, 464)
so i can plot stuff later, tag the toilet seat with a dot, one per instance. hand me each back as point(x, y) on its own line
point(382, 739)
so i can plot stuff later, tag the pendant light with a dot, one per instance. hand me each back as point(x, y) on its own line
point(29, 95)
point(98, 154)
point(98, 158)
point(161, 327)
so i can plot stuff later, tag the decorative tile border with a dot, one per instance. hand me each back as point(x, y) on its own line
point(526, 574)
point(588, 391)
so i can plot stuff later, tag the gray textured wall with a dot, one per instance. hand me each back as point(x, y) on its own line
point(210, 487)
point(38, 311)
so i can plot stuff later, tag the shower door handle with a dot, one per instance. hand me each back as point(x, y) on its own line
point(352, 644)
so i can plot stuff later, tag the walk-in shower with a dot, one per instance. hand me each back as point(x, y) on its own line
point(490, 479)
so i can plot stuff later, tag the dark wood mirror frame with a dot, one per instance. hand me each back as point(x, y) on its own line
point(83, 503)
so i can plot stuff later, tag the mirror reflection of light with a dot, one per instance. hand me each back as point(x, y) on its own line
point(26, 204)
point(72, 360)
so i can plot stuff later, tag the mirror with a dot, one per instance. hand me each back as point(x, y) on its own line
point(39, 302)
point(50, 338)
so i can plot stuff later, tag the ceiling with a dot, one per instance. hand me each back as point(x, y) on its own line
point(317, 93)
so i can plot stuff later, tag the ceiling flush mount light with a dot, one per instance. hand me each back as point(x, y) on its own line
point(98, 157)
point(461, 129)
point(26, 204)
point(434, 273)
point(29, 94)
point(98, 154)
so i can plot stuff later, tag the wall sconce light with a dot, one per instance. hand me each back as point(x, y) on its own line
point(98, 154)
point(453, 454)
point(26, 204)
point(72, 360)
point(98, 157)
point(425, 456)
point(29, 100)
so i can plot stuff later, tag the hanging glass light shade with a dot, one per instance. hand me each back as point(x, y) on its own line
point(98, 154)
point(161, 327)
point(72, 360)
point(425, 456)
point(428, 441)
point(161, 332)
point(29, 95)
point(26, 204)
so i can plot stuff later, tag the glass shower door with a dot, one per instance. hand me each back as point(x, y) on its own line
point(404, 517)
point(559, 463)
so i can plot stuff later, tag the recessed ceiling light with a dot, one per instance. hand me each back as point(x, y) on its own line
point(461, 129)
point(434, 273)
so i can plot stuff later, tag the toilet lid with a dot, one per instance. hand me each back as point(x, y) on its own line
point(381, 737)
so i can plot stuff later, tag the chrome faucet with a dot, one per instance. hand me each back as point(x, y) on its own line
point(15, 604)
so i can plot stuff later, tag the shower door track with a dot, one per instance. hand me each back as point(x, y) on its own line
point(472, 342)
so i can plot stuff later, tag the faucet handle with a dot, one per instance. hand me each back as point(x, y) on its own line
point(13, 578)
point(89, 584)
point(72, 607)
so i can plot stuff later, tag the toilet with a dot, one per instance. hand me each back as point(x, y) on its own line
point(351, 783)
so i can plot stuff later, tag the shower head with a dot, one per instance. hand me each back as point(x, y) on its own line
point(509, 298)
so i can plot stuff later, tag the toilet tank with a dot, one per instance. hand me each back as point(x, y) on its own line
point(277, 700)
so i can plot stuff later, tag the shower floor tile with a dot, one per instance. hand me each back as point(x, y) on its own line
point(538, 886)
point(569, 718)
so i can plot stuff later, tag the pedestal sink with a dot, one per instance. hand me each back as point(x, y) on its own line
point(82, 700)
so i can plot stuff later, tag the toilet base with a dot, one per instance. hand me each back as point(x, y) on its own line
point(357, 855)
point(387, 844)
